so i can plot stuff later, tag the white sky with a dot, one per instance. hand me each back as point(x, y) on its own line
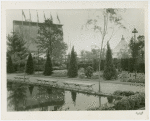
point(73, 20)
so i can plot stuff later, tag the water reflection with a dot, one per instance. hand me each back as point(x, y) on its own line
point(17, 96)
point(29, 97)
point(31, 89)
point(99, 101)
point(74, 95)
point(41, 98)
point(45, 99)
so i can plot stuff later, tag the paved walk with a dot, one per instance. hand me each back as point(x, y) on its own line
point(105, 87)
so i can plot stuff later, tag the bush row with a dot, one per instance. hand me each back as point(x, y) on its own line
point(123, 93)
point(123, 64)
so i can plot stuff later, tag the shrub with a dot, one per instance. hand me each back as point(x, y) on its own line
point(123, 104)
point(142, 96)
point(59, 73)
point(107, 108)
point(127, 93)
point(137, 100)
point(63, 66)
point(109, 70)
point(29, 65)
point(110, 99)
point(81, 73)
point(95, 76)
point(89, 72)
point(123, 77)
point(81, 70)
point(132, 102)
point(118, 93)
point(73, 67)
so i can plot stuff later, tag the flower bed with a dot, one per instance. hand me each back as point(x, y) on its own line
point(132, 102)
point(130, 77)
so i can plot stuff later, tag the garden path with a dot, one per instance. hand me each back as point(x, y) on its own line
point(106, 86)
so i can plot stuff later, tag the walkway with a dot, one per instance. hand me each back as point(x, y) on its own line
point(106, 87)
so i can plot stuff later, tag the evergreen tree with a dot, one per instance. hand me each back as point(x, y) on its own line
point(48, 66)
point(68, 61)
point(73, 67)
point(10, 68)
point(109, 70)
point(17, 49)
point(29, 65)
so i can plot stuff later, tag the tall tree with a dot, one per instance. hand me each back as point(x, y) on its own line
point(107, 23)
point(16, 48)
point(109, 70)
point(30, 65)
point(50, 36)
point(141, 41)
point(48, 66)
point(68, 60)
point(10, 67)
point(137, 50)
point(73, 67)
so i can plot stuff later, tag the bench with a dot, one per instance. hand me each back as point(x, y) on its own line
point(47, 81)
point(22, 78)
point(78, 85)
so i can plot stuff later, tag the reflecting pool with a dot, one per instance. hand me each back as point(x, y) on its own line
point(23, 97)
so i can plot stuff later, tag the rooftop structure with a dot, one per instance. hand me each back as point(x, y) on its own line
point(121, 47)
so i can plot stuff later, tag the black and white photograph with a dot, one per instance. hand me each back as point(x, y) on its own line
point(75, 59)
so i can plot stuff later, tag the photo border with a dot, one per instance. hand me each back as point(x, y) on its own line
point(69, 115)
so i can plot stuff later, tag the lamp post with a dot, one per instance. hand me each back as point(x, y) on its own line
point(134, 32)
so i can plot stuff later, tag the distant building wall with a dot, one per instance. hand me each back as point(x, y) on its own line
point(29, 31)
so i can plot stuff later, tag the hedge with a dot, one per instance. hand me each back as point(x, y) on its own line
point(126, 64)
